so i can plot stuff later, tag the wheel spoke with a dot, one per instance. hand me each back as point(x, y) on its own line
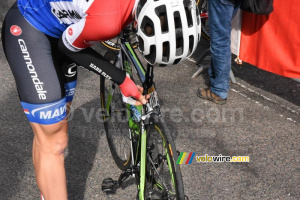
point(160, 179)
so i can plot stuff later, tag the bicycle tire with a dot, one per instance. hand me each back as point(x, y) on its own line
point(203, 10)
point(111, 44)
point(115, 123)
point(159, 134)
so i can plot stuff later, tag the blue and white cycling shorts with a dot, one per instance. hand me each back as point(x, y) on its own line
point(45, 78)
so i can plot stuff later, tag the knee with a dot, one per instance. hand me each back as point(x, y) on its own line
point(51, 139)
point(58, 145)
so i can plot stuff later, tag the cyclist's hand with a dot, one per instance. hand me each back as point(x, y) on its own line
point(142, 98)
point(129, 89)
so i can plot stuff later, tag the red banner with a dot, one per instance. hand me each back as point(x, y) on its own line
point(272, 42)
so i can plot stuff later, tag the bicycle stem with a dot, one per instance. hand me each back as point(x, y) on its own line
point(148, 83)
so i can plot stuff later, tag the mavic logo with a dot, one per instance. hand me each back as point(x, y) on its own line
point(53, 114)
point(52, 111)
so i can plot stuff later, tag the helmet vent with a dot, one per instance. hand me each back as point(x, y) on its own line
point(140, 7)
point(166, 52)
point(177, 20)
point(141, 43)
point(161, 12)
point(198, 14)
point(177, 61)
point(178, 32)
point(147, 27)
point(152, 55)
point(191, 44)
point(188, 16)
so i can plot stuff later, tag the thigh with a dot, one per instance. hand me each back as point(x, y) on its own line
point(32, 60)
point(220, 15)
point(35, 63)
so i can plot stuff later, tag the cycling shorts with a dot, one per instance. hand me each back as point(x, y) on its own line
point(45, 78)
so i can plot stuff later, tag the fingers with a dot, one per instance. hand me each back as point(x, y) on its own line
point(141, 90)
point(142, 99)
point(138, 103)
point(133, 102)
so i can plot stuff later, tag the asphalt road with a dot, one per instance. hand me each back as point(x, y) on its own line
point(260, 120)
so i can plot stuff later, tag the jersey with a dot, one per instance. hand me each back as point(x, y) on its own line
point(43, 49)
point(81, 22)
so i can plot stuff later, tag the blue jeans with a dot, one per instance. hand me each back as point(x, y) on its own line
point(220, 14)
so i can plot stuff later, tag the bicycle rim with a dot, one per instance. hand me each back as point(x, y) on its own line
point(163, 176)
point(115, 123)
point(114, 44)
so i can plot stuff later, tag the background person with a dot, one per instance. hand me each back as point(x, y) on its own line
point(220, 14)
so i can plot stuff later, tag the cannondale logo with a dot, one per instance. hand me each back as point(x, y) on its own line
point(71, 72)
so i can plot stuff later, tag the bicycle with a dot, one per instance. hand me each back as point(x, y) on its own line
point(139, 140)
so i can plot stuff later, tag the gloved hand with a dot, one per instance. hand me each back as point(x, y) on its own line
point(129, 89)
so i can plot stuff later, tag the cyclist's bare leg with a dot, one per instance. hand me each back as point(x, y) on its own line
point(48, 148)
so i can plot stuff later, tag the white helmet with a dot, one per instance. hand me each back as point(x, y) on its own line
point(168, 31)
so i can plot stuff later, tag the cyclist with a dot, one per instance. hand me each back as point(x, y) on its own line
point(44, 42)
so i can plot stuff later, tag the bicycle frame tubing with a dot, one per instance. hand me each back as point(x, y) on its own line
point(146, 78)
point(127, 53)
point(127, 49)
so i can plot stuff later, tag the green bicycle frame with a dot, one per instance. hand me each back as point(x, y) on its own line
point(128, 56)
point(133, 59)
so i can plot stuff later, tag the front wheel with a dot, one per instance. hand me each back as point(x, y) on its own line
point(163, 175)
point(116, 127)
